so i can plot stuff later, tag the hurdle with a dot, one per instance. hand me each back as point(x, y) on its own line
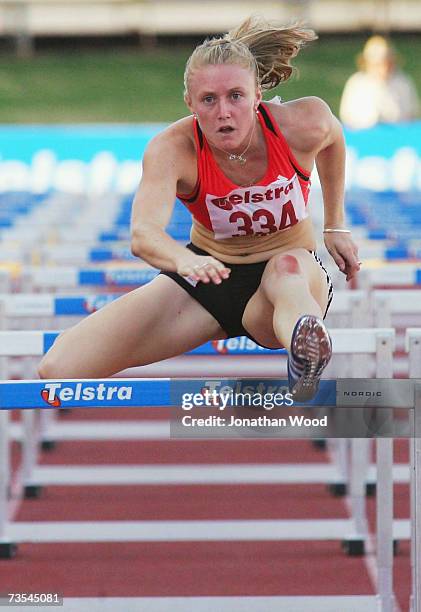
point(386, 303)
point(157, 392)
point(27, 224)
point(50, 222)
point(68, 279)
point(32, 306)
point(211, 357)
point(348, 306)
point(72, 277)
point(413, 347)
point(377, 342)
point(392, 275)
point(382, 307)
point(82, 255)
point(348, 309)
point(22, 305)
point(5, 280)
point(105, 247)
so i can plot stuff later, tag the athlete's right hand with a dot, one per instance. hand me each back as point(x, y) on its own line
point(203, 268)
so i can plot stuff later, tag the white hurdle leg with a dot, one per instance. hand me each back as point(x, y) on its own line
point(384, 504)
point(412, 512)
point(4, 472)
point(30, 442)
point(415, 510)
point(29, 452)
point(47, 418)
point(343, 458)
point(413, 347)
point(339, 450)
point(384, 509)
point(7, 548)
point(357, 481)
point(359, 460)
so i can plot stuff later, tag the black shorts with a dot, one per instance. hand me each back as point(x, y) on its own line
point(227, 302)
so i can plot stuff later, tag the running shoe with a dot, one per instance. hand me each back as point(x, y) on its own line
point(311, 350)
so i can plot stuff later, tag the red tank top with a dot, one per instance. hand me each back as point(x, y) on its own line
point(275, 203)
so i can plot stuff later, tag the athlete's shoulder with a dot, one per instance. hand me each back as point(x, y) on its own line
point(305, 122)
point(176, 140)
point(309, 109)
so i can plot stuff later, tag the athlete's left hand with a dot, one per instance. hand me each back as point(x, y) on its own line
point(345, 253)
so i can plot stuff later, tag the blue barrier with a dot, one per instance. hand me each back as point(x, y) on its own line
point(80, 306)
point(99, 255)
point(231, 346)
point(119, 393)
point(99, 393)
point(122, 278)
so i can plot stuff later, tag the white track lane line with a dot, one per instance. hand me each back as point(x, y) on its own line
point(189, 531)
point(219, 604)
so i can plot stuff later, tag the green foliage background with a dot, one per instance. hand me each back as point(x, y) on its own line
point(135, 85)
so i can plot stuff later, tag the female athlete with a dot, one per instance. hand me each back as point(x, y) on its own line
point(242, 167)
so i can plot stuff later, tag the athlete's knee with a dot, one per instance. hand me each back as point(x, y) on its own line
point(50, 367)
point(286, 264)
point(282, 276)
point(47, 367)
point(53, 364)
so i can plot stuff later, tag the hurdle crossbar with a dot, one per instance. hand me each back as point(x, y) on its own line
point(144, 392)
point(390, 275)
point(48, 305)
point(344, 341)
point(76, 277)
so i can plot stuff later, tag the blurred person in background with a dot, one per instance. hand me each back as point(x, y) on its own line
point(242, 168)
point(379, 92)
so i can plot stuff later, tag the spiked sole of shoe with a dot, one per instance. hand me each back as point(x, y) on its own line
point(312, 345)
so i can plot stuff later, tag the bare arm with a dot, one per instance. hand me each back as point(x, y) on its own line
point(330, 162)
point(152, 208)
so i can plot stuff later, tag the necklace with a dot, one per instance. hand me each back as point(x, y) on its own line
point(240, 157)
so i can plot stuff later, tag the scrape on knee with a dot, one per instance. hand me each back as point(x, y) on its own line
point(287, 264)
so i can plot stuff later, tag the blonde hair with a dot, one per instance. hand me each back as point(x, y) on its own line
point(264, 48)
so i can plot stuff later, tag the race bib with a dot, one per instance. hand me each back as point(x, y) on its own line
point(257, 210)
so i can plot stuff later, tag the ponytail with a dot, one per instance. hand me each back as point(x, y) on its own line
point(264, 48)
point(272, 47)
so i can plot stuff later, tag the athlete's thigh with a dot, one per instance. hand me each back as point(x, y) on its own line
point(151, 323)
point(258, 315)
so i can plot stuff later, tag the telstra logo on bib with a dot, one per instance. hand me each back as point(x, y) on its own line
point(79, 393)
